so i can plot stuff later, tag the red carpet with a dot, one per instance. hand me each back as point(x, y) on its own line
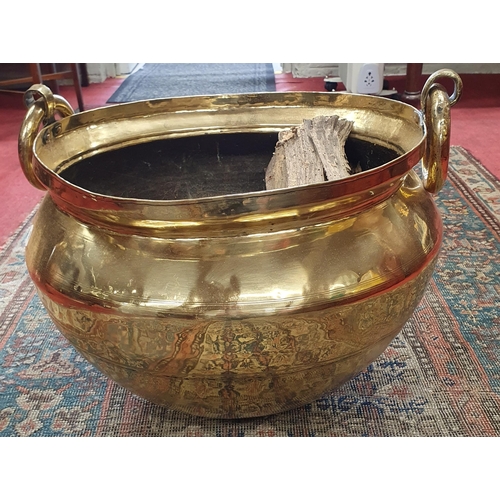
point(475, 126)
point(17, 195)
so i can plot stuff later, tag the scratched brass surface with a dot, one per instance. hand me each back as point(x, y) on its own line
point(242, 325)
point(241, 305)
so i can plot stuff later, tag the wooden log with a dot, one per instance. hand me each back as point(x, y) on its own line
point(311, 153)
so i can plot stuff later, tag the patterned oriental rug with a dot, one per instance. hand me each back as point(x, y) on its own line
point(439, 377)
point(155, 81)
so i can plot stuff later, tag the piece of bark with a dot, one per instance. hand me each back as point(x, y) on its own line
point(329, 135)
point(276, 172)
point(311, 153)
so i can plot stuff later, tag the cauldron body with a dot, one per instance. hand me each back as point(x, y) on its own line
point(239, 305)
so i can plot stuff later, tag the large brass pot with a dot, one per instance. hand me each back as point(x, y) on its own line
point(245, 304)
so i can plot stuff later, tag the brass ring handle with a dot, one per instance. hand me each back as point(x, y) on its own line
point(436, 104)
point(42, 106)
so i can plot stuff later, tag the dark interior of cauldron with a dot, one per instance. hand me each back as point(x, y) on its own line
point(197, 166)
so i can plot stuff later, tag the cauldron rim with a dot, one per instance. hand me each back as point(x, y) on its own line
point(113, 126)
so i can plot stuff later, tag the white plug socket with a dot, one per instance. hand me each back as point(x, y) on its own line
point(370, 78)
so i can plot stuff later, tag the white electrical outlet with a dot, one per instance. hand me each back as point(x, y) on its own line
point(362, 78)
point(370, 79)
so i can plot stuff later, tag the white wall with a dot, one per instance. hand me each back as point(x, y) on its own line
point(307, 70)
point(98, 72)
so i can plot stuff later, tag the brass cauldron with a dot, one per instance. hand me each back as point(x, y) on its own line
point(237, 305)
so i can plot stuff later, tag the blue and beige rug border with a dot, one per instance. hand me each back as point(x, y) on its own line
point(439, 377)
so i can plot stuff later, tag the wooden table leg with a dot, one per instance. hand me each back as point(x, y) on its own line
point(36, 73)
point(84, 75)
point(78, 86)
point(53, 84)
point(413, 86)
